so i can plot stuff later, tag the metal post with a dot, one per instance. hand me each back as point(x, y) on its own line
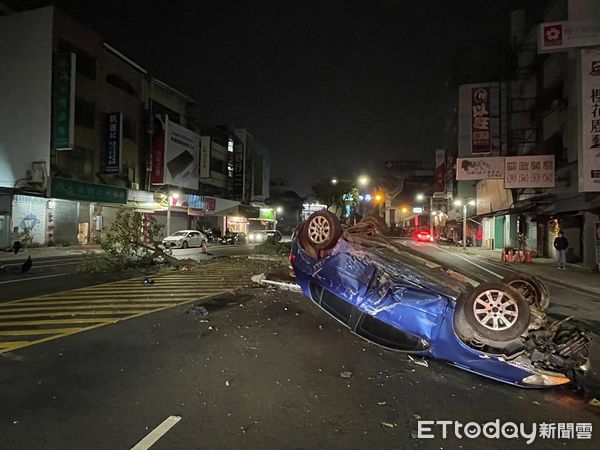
point(431, 217)
point(465, 226)
point(169, 215)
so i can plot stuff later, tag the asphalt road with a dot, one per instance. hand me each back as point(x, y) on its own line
point(565, 301)
point(60, 273)
point(264, 369)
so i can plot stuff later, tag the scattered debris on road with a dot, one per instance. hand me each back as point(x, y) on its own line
point(419, 362)
point(594, 402)
point(148, 280)
point(262, 279)
point(198, 311)
point(346, 374)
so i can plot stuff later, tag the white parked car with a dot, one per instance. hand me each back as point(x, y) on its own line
point(185, 239)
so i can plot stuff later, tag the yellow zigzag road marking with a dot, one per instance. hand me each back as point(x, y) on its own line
point(91, 307)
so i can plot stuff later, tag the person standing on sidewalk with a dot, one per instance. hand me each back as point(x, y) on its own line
point(561, 243)
point(16, 240)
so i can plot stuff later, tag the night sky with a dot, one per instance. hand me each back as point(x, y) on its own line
point(331, 87)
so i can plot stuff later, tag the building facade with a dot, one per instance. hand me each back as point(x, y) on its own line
point(82, 126)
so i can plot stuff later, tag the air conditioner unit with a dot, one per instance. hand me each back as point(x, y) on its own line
point(36, 175)
point(135, 186)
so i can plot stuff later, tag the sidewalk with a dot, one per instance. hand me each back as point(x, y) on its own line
point(49, 252)
point(574, 276)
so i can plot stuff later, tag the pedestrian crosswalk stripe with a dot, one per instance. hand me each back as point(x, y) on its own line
point(34, 332)
point(39, 319)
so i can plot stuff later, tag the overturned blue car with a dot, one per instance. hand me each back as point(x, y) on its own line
point(391, 296)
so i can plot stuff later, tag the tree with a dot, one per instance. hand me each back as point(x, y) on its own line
point(332, 195)
point(130, 242)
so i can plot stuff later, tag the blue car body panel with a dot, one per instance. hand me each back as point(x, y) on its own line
point(406, 303)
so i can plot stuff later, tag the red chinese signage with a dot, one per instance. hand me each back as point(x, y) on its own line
point(480, 120)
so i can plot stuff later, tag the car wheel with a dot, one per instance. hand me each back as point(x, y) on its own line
point(495, 311)
point(322, 230)
point(531, 288)
point(184, 245)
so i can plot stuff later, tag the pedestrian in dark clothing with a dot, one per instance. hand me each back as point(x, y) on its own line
point(561, 243)
point(16, 240)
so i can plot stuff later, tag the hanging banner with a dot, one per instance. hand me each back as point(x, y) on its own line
point(536, 171)
point(113, 138)
point(480, 120)
point(589, 150)
point(484, 168)
point(238, 172)
point(204, 156)
point(440, 170)
point(63, 101)
point(175, 154)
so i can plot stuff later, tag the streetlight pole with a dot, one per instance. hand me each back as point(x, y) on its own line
point(431, 216)
point(465, 226)
point(170, 198)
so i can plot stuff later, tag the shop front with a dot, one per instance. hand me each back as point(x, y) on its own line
point(81, 212)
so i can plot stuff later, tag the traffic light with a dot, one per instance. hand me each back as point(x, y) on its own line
point(377, 197)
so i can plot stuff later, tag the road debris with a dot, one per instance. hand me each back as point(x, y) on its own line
point(262, 279)
point(148, 280)
point(418, 362)
point(594, 402)
point(346, 374)
point(198, 311)
point(388, 425)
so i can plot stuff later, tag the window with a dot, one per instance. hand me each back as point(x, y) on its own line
point(85, 113)
point(257, 166)
point(120, 83)
point(129, 131)
point(217, 165)
point(159, 108)
point(77, 162)
point(85, 62)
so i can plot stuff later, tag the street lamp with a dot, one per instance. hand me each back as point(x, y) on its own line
point(363, 180)
point(464, 205)
point(420, 198)
point(279, 210)
point(334, 181)
point(170, 197)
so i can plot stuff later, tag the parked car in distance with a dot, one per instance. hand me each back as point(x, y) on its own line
point(185, 239)
point(233, 238)
point(258, 236)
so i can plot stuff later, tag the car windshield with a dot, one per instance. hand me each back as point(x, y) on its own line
point(180, 233)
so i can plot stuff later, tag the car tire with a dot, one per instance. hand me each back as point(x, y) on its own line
point(184, 245)
point(305, 244)
point(322, 230)
point(531, 288)
point(494, 311)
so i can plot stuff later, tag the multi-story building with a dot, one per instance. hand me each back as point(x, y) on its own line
point(81, 128)
point(535, 107)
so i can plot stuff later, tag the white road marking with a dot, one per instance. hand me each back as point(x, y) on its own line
point(33, 278)
point(464, 258)
point(157, 433)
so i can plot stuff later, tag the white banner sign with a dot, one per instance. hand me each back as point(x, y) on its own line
point(204, 156)
point(181, 156)
point(589, 151)
point(536, 171)
point(559, 36)
point(480, 168)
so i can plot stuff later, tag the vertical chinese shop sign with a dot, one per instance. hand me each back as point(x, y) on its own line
point(63, 101)
point(480, 120)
